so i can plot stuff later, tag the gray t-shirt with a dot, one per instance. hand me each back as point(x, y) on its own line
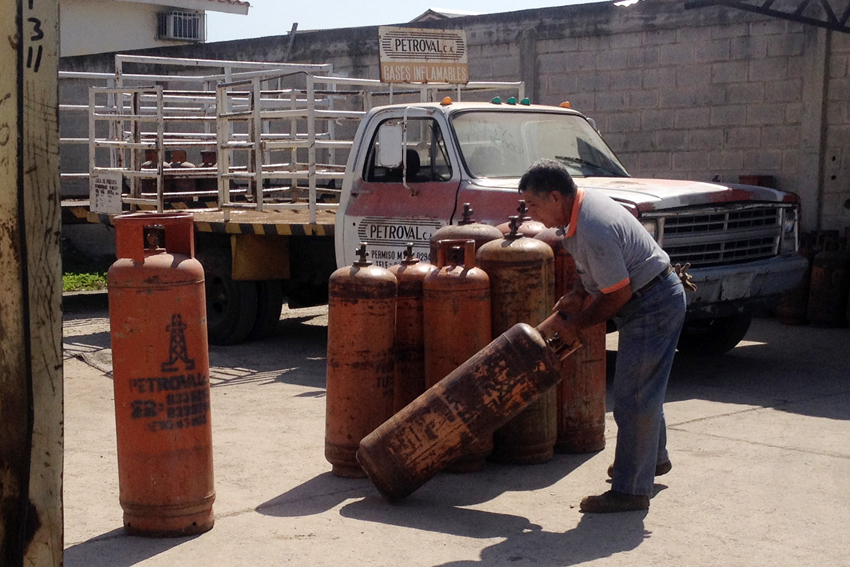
point(610, 247)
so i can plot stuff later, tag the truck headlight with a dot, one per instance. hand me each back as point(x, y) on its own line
point(651, 227)
point(788, 239)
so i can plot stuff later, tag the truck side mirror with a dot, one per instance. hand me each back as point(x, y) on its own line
point(389, 146)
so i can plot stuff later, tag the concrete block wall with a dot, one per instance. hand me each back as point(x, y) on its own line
point(835, 208)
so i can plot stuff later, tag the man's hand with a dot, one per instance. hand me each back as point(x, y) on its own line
point(562, 324)
point(571, 302)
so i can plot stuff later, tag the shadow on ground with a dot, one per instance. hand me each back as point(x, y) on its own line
point(764, 371)
point(116, 549)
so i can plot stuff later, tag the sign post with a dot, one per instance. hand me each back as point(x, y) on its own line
point(418, 55)
point(31, 291)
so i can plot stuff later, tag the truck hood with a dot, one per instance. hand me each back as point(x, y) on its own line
point(661, 194)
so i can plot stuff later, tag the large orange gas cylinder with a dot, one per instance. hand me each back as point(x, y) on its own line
point(829, 286)
point(529, 228)
point(794, 304)
point(467, 228)
point(160, 359)
point(474, 400)
point(361, 324)
point(456, 313)
point(521, 291)
point(180, 182)
point(409, 329)
point(581, 392)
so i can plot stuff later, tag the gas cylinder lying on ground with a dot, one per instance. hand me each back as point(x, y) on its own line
point(361, 326)
point(521, 291)
point(157, 316)
point(580, 395)
point(456, 315)
point(477, 398)
point(409, 329)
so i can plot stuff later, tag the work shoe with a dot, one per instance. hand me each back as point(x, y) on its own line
point(613, 501)
point(661, 469)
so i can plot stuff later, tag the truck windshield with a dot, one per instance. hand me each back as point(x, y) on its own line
point(505, 144)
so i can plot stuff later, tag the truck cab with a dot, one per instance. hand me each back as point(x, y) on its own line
point(412, 167)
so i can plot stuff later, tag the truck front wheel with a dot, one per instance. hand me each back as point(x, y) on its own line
point(714, 336)
point(231, 304)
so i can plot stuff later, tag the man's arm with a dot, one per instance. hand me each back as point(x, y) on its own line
point(602, 308)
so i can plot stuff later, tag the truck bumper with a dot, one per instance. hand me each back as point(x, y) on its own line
point(724, 289)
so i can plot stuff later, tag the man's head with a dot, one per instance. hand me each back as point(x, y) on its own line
point(549, 192)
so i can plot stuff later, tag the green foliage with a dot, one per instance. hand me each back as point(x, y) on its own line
point(83, 282)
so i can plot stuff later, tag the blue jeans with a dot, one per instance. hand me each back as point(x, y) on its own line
point(649, 326)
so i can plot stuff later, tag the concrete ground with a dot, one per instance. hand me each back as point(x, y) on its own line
point(759, 439)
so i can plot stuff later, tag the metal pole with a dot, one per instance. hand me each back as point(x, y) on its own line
point(31, 444)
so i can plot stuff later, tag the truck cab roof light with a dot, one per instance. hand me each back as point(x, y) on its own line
point(565, 104)
point(526, 101)
point(446, 101)
point(496, 100)
point(511, 100)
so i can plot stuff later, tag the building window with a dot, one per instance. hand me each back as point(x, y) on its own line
point(183, 26)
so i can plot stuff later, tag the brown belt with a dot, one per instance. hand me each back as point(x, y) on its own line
point(660, 277)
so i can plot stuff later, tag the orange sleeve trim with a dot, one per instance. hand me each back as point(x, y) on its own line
point(571, 230)
point(617, 286)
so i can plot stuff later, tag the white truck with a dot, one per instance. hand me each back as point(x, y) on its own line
point(308, 189)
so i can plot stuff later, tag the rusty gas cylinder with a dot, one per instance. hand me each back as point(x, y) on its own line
point(456, 315)
point(361, 324)
point(208, 183)
point(829, 286)
point(474, 400)
point(409, 330)
point(529, 228)
point(794, 304)
point(521, 291)
point(151, 162)
point(160, 359)
point(467, 228)
point(580, 394)
point(179, 182)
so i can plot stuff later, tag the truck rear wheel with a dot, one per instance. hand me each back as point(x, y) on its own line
point(231, 304)
point(714, 336)
point(269, 305)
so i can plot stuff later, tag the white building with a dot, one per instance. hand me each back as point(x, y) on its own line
point(98, 26)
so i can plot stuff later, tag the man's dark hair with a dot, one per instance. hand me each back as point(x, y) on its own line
point(545, 176)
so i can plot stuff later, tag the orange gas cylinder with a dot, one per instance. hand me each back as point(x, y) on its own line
point(794, 304)
point(829, 286)
point(581, 392)
point(210, 181)
point(151, 162)
point(179, 182)
point(157, 317)
point(521, 291)
point(474, 400)
point(456, 313)
point(467, 228)
point(529, 228)
point(361, 324)
point(409, 330)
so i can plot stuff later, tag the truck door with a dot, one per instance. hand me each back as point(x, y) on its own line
point(400, 197)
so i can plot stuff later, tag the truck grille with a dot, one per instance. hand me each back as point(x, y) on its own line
point(718, 237)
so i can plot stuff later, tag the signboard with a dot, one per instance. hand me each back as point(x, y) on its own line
point(417, 55)
point(105, 193)
point(387, 237)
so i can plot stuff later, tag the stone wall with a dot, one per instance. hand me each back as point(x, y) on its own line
point(706, 94)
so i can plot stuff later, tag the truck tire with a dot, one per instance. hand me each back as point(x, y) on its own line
point(703, 337)
point(231, 304)
point(269, 305)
